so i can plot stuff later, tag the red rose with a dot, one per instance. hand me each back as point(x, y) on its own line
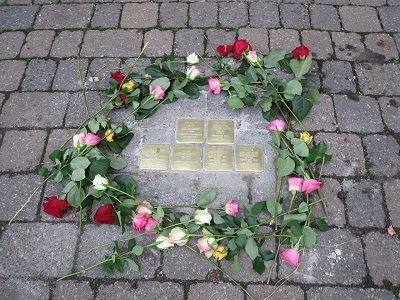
point(118, 76)
point(104, 215)
point(224, 50)
point(123, 97)
point(54, 206)
point(300, 52)
point(239, 47)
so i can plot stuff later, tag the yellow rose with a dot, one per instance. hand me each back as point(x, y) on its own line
point(128, 86)
point(109, 135)
point(220, 252)
point(305, 136)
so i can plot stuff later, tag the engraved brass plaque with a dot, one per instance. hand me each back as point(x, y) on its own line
point(185, 158)
point(154, 157)
point(221, 132)
point(249, 158)
point(217, 158)
point(190, 131)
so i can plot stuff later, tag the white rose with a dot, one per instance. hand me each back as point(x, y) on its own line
point(192, 59)
point(179, 236)
point(164, 242)
point(100, 183)
point(202, 217)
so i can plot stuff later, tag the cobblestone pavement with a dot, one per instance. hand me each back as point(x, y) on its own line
point(356, 44)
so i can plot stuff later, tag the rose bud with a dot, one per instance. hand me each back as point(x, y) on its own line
point(192, 59)
point(148, 227)
point(100, 183)
point(109, 134)
point(156, 92)
point(104, 215)
point(277, 125)
point(300, 53)
point(206, 245)
point(78, 140)
point(202, 217)
point(295, 184)
point(179, 236)
point(144, 208)
point(231, 208)
point(291, 256)
point(92, 139)
point(128, 87)
point(192, 73)
point(54, 206)
point(305, 136)
point(118, 76)
point(220, 252)
point(214, 86)
point(310, 185)
point(139, 222)
point(252, 57)
point(164, 242)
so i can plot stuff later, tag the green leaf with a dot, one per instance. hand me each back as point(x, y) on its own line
point(117, 163)
point(300, 147)
point(321, 224)
point(274, 56)
point(70, 185)
point(265, 103)
point(301, 107)
point(293, 217)
point(118, 266)
point(235, 102)
point(241, 241)
point(132, 264)
point(206, 197)
point(149, 104)
point(251, 73)
point(180, 94)
point(249, 99)
point(247, 232)
point(94, 126)
point(95, 193)
point(271, 114)
point(137, 250)
point(293, 87)
point(274, 211)
point(163, 82)
point(303, 207)
point(301, 67)
point(124, 180)
point(192, 227)
point(131, 244)
point(251, 248)
point(257, 208)
point(43, 172)
point(78, 175)
point(258, 265)
point(99, 167)
point(160, 211)
point(309, 237)
point(312, 95)
point(192, 90)
point(268, 255)
point(218, 219)
point(276, 139)
point(108, 268)
point(75, 196)
point(56, 154)
point(235, 267)
point(285, 166)
point(154, 71)
point(80, 163)
point(129, 203)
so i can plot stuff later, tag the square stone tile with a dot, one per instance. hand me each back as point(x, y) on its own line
point(71, 289)
point(348, 46)
point(24, 15)
point(11, 72)
point(173, 15)
point(66, 44)
point(286, 39)
point(338, 77)
point(390, 17)
point(375, 79)
point(143, 15)
point(392, 190)
point(294, 16)
point(258, 17)
point(348, 157)
point(319, 43)
point(315, 293)
point(216, 37)
point(188, 41)
point(283, 292)
point(160, 42)
point(203, 14)
point(233, 14)
point(210, 290)
point(38, 43)
point(361, 108)
point(67, 77)
point(39, 75)
point(360, 18)
point(324, 17)
point(390, 108)
point(383, 44)
point(10, 44)
point(106, 15)
point(15, 289)
point(257, 38)
point(22, 150)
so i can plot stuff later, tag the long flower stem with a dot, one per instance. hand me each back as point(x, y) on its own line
point(84, 270)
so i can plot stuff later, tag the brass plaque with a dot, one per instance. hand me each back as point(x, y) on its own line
point(221, 132)
point(185, 158)
point(190, 131)
point(217, 158)
point(154, 157)
point(249, 158)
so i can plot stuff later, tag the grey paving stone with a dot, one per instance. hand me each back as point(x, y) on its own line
point(58, 16)
point(382, 44)
point(203, 14)
point(70, 289)
point(283, 292)
point(348, 46)
point(322, 116)
point(94, 235)
point(337, 293)
point(390, 17)
point(39, 75)
point(67, 77)
point(66, 44)
point(348, 157)
point(160, 42)
point(397, 39)
point(294, 16)
point(361, 108)
point(107, 15)
point(188, 41)
point(338, 77)
point(381, 251)
point(360, 18)
point(382, 155)
point(393, 2)
point(218, 37)
point(392, 189)
point(76, 114)
point(364, 195)
point(10, 44)
point(38, 43)
point(337, 258)
point(390, 108)
point(19, 289)
point(375, 79)
point(19, 194)
point(286, 39)
point(258, 17)
point(142, 15)
point(324, 17)
point(99, 74)
point(18, 2)
point(319, 43)
point(173, 15)
point(58, 241)
point(37, 109)
point(2, 97)
point(368, 2)
point(257, 37)
point(335, 207)
point(233, 14)
point(21, 150)
point(17, 17)
point(144, 290)
point(129, 41)
point(200, 291)
point(333, 2)
point(11, 72)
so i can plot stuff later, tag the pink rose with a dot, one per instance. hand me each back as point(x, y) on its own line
point(78, 140)
point(150, 223)
point(214, 86)
point(291, 256)
point(310, 185)
point(139, 222)
point(202, 245)
point(157, 92)
point(295, 184)
point(231, 208)
point(92, 139)
point(252, 57)
point(277, 125)
point(144, 208)
point(192, 73)
point(300, 52)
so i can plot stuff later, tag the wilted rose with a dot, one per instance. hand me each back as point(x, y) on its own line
point(54, 206)
point(104, 215)
point(151, 222)
point(109, 134)
point(291, 256)
point(224, 50)
point(306, 137)
point(128, 86)
point(231, 208)
point(139, 222)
